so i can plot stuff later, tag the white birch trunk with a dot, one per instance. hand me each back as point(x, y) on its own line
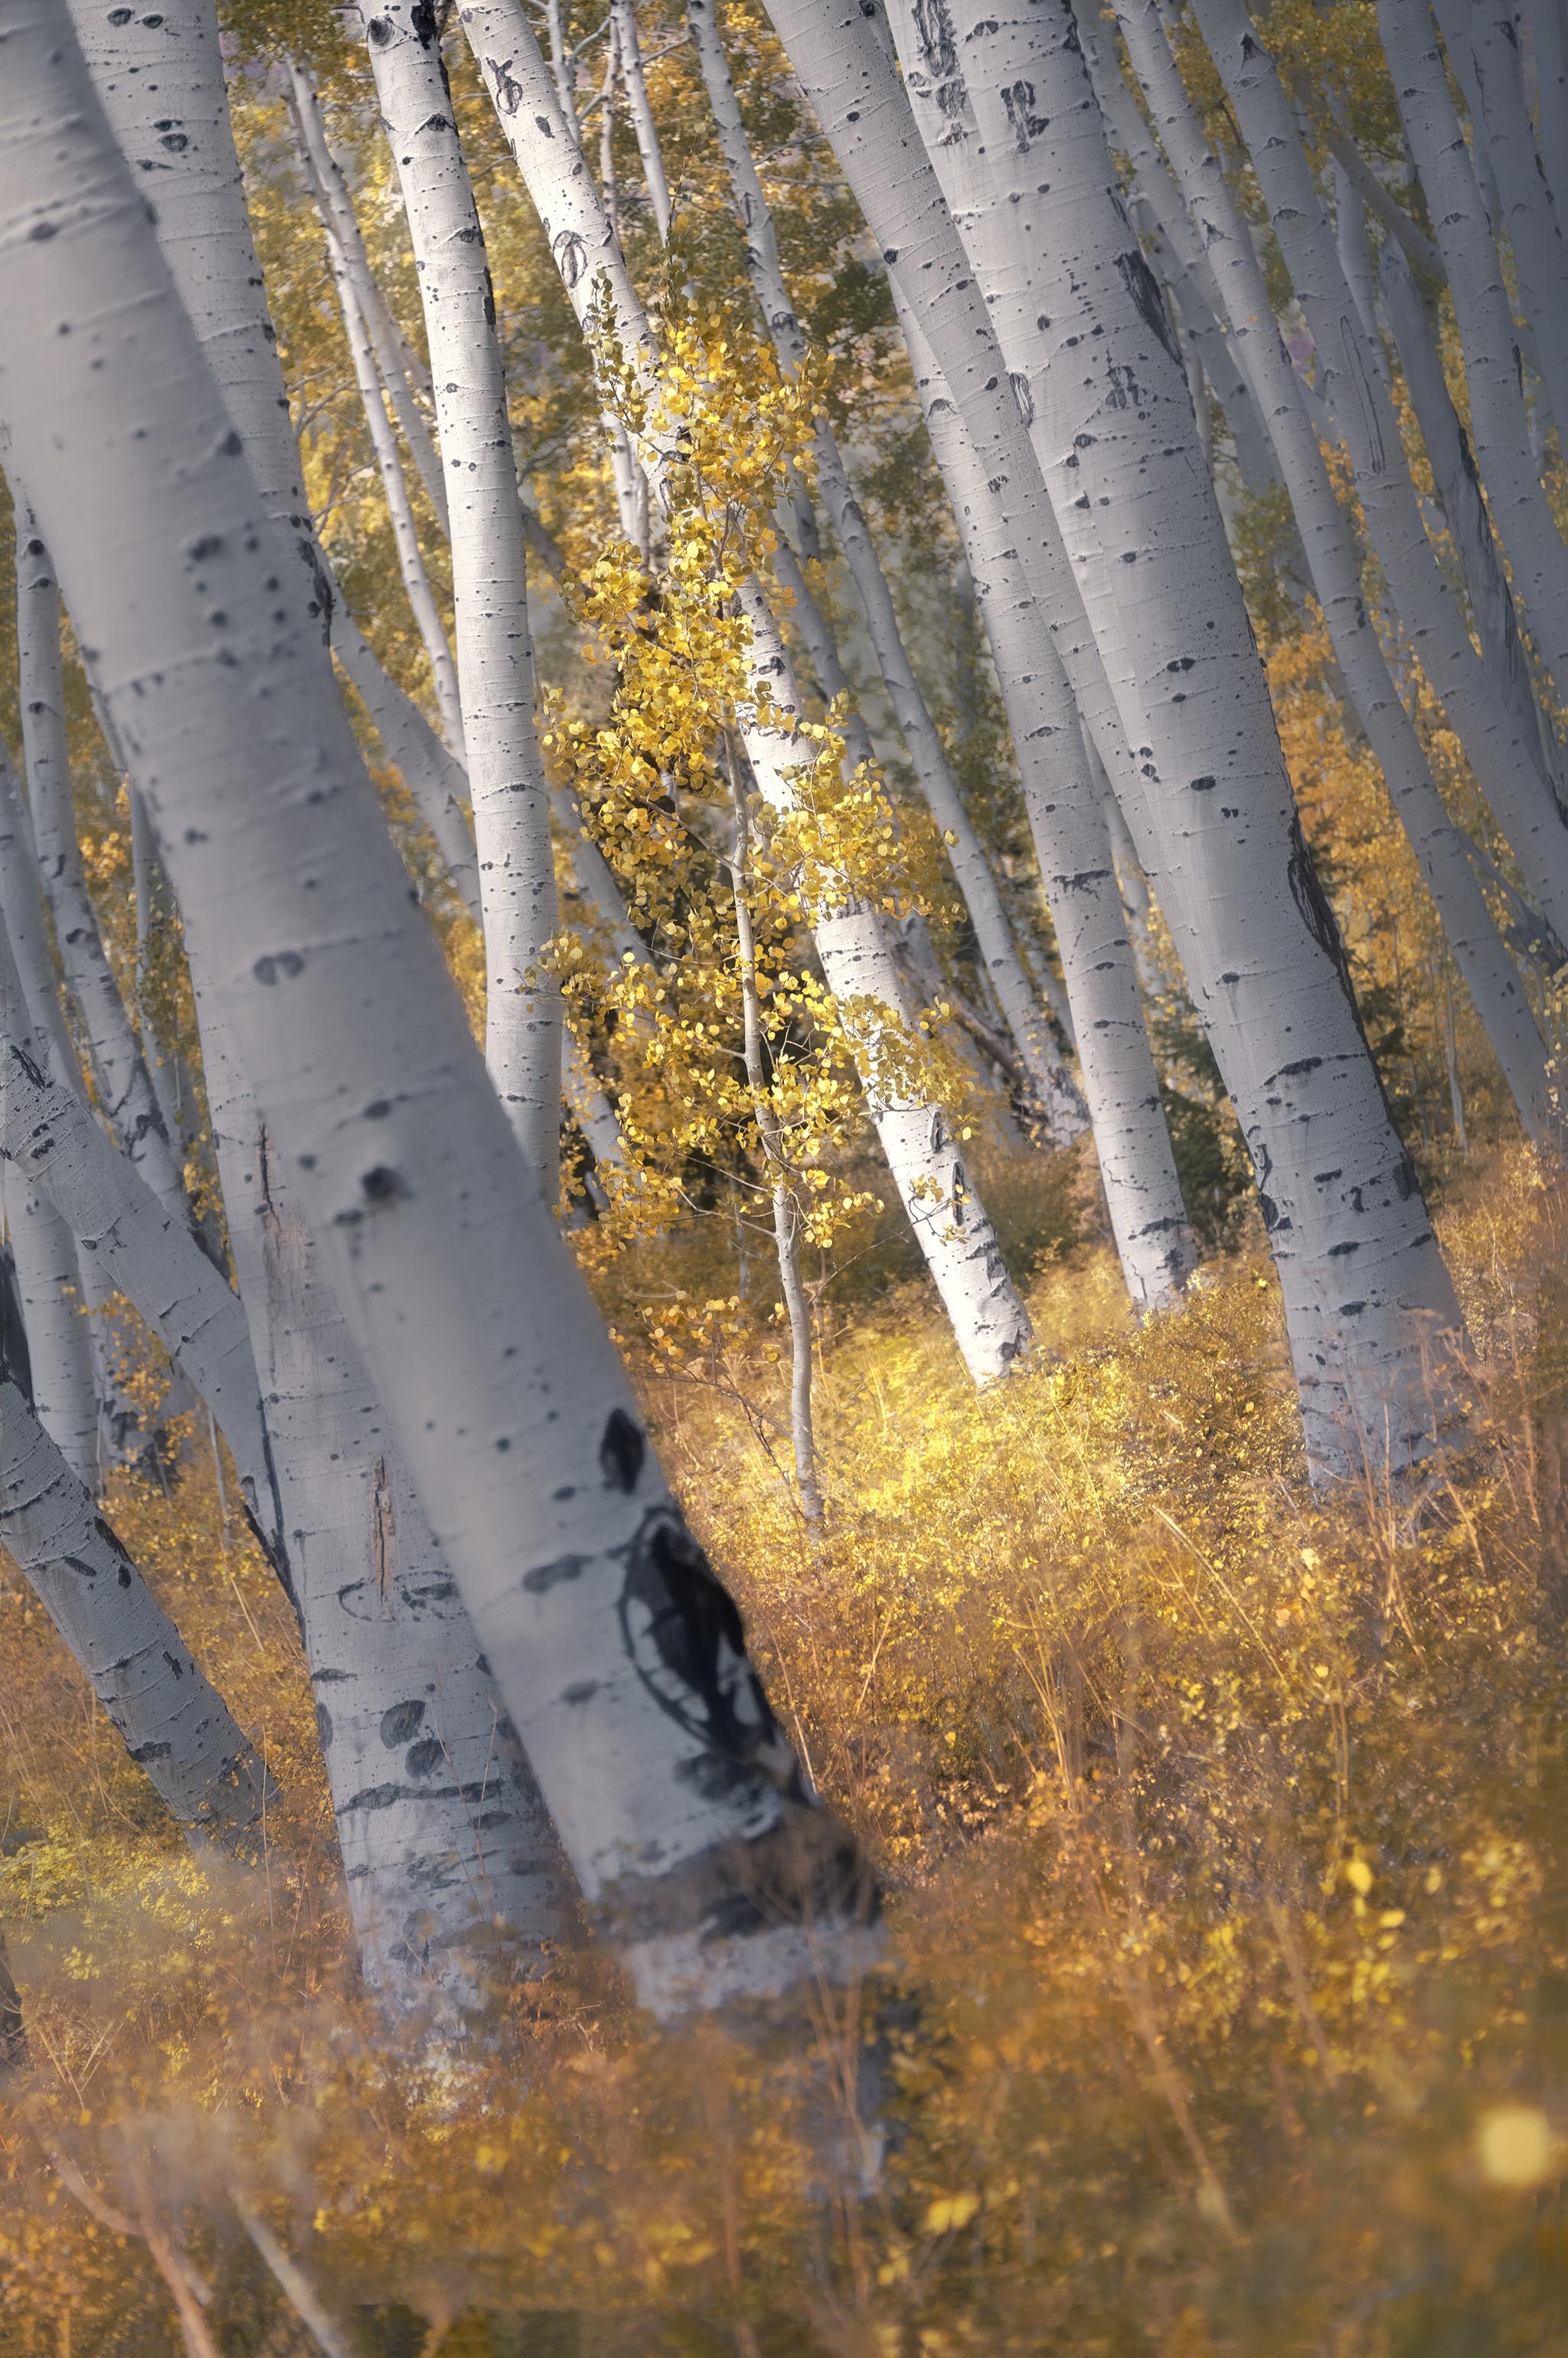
point(175, 1724)
point(1506, 762)
point(505, 770)
point(989, 1322)
point(51, 1144)
point(392, 353)
point(125, 1086)
point(618, 1654)
point(453, 1876)
point(1257, 938)
point(405, 534)
point(1143, 1193)
point(438, 782)
point(1500, 126)
point(1458, 485)
point(1484, 320)
point(1053, 1086)
point(1440, 853)
point(645, 128)
point(138, 66)
point(1550, 21)
point(59, 1349)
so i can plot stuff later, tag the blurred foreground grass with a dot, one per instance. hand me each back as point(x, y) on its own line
point(1222, 1833)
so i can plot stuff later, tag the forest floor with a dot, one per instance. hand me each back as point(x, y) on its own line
point(1228, 1995)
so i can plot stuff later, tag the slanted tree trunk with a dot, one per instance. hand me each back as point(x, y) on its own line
point(175, 1725)
point(1439, 848)
point(1256, 937)
point(505, 769)
point(125, 1090)
point(644, 129)
point(619, 1653)
point(137, 1247)
point(393, 356)
point(1138, 1171)
point(855, 945)
point(1025, 1018)
point(1484, 320)
point(454, 1877)
point(405, 537)
point(1506, 762)
point(1500, 126)
point(1458, 484)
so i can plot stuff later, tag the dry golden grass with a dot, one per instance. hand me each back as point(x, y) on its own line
point(1229, 2006)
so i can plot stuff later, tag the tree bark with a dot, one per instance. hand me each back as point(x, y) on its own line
point(175, 1724)
point(1255, 934)
point(989, 1322)
point(1138, 1171)
point(495, 667)
point(454, 1877)
point(618, 1654)
point(125, 1086)
point(1057, 1095)
point(1506, 764)
point(1438, 846)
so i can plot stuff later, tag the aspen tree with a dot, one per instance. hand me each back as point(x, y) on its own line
point(999, 956)
point(1504, 758)
point(507, 791)
point(175, 1724)
point(1255, 934)
point(1483, 961)
point(989, 1322)
point(119, 1069)
point(619, 1653)
point(1138, 1171)
point(1485, 320)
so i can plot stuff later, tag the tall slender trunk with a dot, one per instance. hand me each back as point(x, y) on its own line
point(785, 1208)
point(1256, 935)
point(438, 782)
point(1439, 848)
point(1506, 761)
point(1138, 1171)
point(406, 537)
point(1063, 1106)
point(855, 945)
point(1485, 318)
point(645, 128)
point(1458, 484)
point(454, 1877)
point(175, 1724)
point(619, 1653)
point(1500, 126)
point(505, 768)
point(125, 1086)
point(392, 352)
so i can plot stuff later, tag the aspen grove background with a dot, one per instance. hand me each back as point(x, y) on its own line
point(784, 873)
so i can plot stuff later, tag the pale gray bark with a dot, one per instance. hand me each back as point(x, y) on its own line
point(645, 128)
point(393, 355)
point(1257, 938)
point(855, 945)
point(454, 1877)
point(1052, 1084)
point(438, 782)
point(1458, 485)
point(1439, 850)
point(507, 790)
point(125, 1086)
point(175, 1724)
point(139, 1248)
point(405, 537)
point(1550, 22)
point(618, 1654)
point(1138, 1172)
point(1500, 126)
point(1507, 765)
point(1486, 333)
